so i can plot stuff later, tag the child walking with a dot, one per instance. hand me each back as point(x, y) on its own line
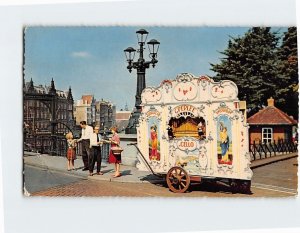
point(71, 155)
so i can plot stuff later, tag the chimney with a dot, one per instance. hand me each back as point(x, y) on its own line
point(270, 102)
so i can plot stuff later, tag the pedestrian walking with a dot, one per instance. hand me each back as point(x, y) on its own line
point(115, 155)
point(95, 145)
point(86, 133)
point(71, 155)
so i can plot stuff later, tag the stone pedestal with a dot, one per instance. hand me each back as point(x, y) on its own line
point(130, 153)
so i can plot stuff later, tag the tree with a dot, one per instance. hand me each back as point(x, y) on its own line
point(287, 93)
point(250, 61)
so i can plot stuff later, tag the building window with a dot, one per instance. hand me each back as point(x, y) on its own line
point(267, 135)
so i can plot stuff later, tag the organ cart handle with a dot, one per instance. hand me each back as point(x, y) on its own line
point(148, 165)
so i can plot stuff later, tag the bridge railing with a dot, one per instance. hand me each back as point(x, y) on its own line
point(56, 146)
point(46, 144)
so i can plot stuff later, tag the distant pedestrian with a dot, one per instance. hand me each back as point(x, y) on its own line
point(86, 133)
point(71, 155)
point(95, 144)
point(115, 157)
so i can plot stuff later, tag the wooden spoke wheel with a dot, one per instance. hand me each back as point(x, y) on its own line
point(178, 180)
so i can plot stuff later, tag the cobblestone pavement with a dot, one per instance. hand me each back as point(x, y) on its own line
point(106, 188)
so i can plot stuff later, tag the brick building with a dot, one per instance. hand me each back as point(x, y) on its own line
point(271, 124)
point(37, 118)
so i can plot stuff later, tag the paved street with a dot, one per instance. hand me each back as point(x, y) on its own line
point(280, 176)
point(37, 179)
point(105, 188)
point(274, 180)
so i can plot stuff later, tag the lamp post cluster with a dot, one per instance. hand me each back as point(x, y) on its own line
point(140, 65)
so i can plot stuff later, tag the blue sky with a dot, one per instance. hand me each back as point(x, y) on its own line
point(91, 59)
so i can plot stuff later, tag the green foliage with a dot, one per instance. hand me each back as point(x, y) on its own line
point(287, 95)
point(260, 68)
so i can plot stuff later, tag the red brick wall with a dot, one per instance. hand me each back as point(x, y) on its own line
point(278, 132)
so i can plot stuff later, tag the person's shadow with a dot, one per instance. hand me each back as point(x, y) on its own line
point(126, 173)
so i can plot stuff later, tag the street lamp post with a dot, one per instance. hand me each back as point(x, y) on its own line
point(140, 65)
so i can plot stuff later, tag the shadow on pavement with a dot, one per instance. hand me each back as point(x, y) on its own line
point(153, 179)
point(126, 173)
point(213, 187)
point(79, 168)
point(106, 171)
point(210, 186)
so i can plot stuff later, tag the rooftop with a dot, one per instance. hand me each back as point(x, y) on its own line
point(88, 98)
point(44, 89)
point(271, 115)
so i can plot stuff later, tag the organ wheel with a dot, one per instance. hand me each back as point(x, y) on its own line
point(178, 180)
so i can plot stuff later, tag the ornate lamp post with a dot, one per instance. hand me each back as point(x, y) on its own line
point(140, 65)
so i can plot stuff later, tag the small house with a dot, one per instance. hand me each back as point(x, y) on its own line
point(271, 124)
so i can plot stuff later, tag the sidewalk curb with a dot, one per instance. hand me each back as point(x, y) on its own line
point(263, 162)
point(125, 181)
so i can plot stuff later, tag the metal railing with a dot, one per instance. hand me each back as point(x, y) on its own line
point(262, 150)
point(46, 144)
point(56, 146)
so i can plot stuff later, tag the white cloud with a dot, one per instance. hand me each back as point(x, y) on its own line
point(81, 54)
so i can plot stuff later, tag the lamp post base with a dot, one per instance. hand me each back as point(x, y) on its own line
point(133, 122)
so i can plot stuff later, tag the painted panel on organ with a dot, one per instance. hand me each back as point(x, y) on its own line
point(154, 142)
point(224, 134)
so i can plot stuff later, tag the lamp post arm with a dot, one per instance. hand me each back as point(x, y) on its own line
point(140, 65)
point(153, 62)
point(130, 66)
point(147, 64)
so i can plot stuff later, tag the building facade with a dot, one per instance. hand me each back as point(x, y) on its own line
point(83, 112)
point(102, 113)
point(91, 108)
point(46, 112)
point(105, 114)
